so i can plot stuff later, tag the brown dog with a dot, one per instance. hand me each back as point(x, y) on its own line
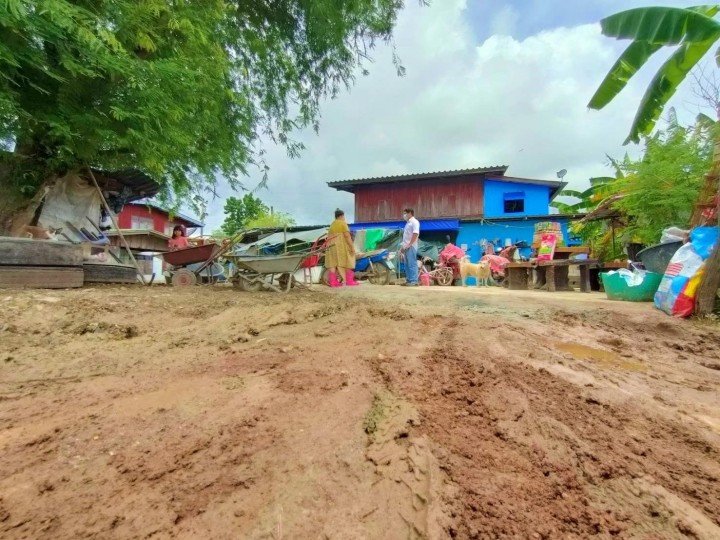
point(40, 233)
point(480, 271)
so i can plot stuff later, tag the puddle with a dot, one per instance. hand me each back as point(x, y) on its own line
point(598, 356)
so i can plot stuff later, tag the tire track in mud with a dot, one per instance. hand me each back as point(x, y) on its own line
point(408, 480)
point(534, 456)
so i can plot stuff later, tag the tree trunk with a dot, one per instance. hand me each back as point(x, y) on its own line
point(710, 281)
point(709, 285)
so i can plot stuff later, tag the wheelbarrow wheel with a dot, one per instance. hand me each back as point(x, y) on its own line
point(183, 278)
point(381, 275)
point(247, 284)
point(286, 282)
point(444, 276)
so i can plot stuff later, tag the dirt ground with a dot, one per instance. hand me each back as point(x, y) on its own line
point(376, 412)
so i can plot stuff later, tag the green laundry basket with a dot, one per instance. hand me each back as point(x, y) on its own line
point(617, 288)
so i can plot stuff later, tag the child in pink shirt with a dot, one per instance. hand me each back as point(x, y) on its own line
point(178, 240)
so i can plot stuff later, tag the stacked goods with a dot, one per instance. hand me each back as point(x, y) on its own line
point(548, 242)
point(49, 264)
point(548, 227)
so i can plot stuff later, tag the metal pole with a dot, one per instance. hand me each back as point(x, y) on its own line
point(117, 228)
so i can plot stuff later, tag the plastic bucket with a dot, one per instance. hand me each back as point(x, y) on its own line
point(616, 288)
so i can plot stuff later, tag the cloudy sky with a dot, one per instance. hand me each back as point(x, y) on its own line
point(488, 82)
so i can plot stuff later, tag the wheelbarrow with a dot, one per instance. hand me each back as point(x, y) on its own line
point(190, 262)
point(256, 272)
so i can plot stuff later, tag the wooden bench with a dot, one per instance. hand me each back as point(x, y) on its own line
point(551, 275)
point(519, 275)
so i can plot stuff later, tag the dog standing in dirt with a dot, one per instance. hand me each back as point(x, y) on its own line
point(480, 271)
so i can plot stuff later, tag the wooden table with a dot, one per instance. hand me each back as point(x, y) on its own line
point(551, 275)
point(565, 252)
point(519, 275)
point(595, 283)
point(556, 274)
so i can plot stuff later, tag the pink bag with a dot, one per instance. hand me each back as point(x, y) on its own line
point(547, 247)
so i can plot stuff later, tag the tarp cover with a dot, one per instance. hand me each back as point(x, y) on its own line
point(271, 241)
point(71, 199)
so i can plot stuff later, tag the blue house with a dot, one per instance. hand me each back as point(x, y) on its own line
point(472, 206)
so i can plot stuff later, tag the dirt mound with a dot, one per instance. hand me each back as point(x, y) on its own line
point(133, 412)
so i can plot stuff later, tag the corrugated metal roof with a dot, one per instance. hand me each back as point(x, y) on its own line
point(547, 217)
point(555, 185)
point(277, 238)
point(342, 184)
point(140, 183)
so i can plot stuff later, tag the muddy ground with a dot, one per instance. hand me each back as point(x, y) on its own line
point(379, 412)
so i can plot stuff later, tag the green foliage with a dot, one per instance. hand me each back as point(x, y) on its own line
point(661, 188)
point(693, 30)
point(598, 234)
point(588, 199)
point(648, 194)
point(179, 89)
point(276, 220)
point(240, 212)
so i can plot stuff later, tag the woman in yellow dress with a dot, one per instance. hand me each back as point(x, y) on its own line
point(340, 254)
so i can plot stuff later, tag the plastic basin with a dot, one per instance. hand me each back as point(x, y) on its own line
point(656, 258)
point(616, 288)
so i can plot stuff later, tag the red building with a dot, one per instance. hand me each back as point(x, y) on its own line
point(147, 228)
point(149, 217)
point(433, 195)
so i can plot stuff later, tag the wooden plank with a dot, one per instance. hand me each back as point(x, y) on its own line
point(562, 262)
point(568, 262)
point(47, 277)
point(585, 278)
point(30, 252)
point(518, 277)
point(109, 273)
point(550, 278)
point(568, 250)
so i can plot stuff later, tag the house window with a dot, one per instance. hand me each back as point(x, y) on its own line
point(514, 203)
point(144, 223)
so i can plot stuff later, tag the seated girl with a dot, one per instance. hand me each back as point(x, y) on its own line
point(178, 240)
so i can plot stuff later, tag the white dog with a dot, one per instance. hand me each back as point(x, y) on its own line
point(480, 271)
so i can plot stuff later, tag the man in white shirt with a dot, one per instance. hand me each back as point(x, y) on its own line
point(409, 247)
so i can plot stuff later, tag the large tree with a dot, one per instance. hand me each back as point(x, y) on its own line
point(241, 211)
point(182, 89)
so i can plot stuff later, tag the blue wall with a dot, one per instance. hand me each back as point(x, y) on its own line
point(471, 233)
point(537, 199)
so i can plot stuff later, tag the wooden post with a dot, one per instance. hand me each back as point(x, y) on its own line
point(710, 281)
point(550, 278)
point(117, 228)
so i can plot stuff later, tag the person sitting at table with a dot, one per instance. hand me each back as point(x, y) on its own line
point(179, 239)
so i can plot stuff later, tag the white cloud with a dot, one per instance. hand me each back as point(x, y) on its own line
point(462, 104)
point(505, 21)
